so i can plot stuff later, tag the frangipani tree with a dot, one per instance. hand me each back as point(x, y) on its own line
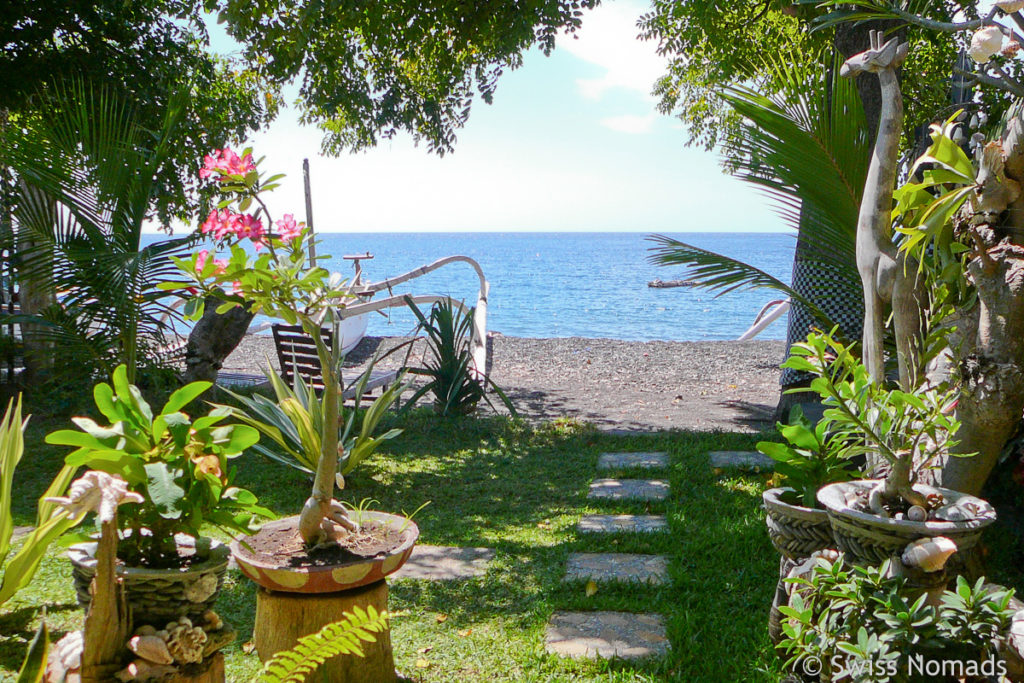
point(273, 277)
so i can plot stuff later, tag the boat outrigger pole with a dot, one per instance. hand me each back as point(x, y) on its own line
point(309, 210)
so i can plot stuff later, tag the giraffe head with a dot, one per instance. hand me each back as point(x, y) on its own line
point(879, 57)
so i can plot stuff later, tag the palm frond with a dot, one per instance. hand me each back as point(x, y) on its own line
point(88, 182)
point(805, 147)
point(723, 274)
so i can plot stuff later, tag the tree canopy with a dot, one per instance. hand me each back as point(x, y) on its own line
point(714, 45)
point(365, 71)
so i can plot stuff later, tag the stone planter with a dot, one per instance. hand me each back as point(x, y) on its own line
point(869, 539)
point(157, 596)
point(796, 531)
point(294, 601)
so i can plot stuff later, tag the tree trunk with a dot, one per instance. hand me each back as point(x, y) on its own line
point(35, 294)
point(991, 361)
point(213, 339)
point(283, 618)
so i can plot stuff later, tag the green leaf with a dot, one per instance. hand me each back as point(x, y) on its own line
point(163, 491)
point(185, 395)
point(34, 667)
point(125, 465)
point(103, 394)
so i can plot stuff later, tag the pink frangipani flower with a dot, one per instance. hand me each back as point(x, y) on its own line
point(288, 228)
point(226, 162)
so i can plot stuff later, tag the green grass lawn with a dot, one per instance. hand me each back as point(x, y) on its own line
point(519, 490)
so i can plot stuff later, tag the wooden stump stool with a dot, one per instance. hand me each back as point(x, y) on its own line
point(283, 618)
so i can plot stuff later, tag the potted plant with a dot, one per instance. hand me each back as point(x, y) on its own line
point(180, 469)
point(797, 525)
point(908, 430)
point(324, 551)
point(290, 423)
point(874, 624)
point(810, 459)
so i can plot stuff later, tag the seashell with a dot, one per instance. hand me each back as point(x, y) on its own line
point(852, 498)
point(68, 650)
point(141, 670)
point(955, 513)
point(1016, 637)
point(186, 642)
point(829, 554)
point(916, 513)
point(985, 42)
point(200, 590)
point(151, 648)
point(96, 492)
point(212, 621)
point(1010, 6)
point(929, 554)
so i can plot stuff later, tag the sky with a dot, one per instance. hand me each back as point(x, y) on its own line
point(573, 142)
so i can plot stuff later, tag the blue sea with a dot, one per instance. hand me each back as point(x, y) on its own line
point(572, 284)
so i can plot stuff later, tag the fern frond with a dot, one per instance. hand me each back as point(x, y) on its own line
point(345, 637)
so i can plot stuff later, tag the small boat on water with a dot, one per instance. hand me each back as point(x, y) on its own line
point(658, 283)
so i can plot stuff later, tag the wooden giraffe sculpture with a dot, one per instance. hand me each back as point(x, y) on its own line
point(887, 277)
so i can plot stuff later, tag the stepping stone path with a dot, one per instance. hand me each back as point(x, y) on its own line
point(606, 634)
point(593, 524)
point(741, 460)
point(651, 569)
point(445, 563)
point(628, 489)
point(616, 634)
point(625, 461)
point(20, 531)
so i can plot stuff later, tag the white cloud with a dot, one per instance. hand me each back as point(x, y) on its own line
point(629, 123)
point(609, 40)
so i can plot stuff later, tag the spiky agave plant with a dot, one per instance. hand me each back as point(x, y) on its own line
point(456, 385)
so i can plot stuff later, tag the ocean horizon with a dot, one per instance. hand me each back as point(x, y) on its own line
point(569, 284)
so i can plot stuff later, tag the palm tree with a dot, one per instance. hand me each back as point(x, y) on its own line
point(806, 147)
point(87, 170)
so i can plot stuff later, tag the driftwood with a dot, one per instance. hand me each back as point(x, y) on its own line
point(887, 277)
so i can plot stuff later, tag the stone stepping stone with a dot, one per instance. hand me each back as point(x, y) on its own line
point(20, 531)
point(741, 460)
point(624, 461)
point(445, 563)
point(606, 634)
point(628, 489)
point(652, 569)
point(608, 524)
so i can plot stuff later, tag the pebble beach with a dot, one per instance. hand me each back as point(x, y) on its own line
point(614, 384)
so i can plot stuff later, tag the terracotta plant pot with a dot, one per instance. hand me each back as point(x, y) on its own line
point(157, 596)
point(357, 572)
point(796, 531)
point(868, 539)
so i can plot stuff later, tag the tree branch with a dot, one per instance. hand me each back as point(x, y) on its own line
point(943, 26)
point(992, 81)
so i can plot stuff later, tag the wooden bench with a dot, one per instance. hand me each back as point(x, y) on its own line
point(296, 352)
